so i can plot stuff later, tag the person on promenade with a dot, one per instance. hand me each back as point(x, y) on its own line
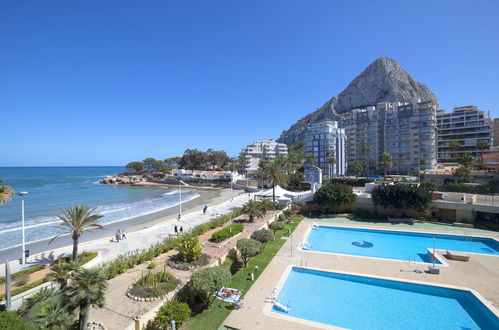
point(176, 230)
point(118, 236)
point(204, 209)
point(181, 230)
point(178, 217)
point(123, 234)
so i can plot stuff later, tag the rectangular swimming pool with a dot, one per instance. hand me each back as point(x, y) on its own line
point(358, 302)
point(391, 244)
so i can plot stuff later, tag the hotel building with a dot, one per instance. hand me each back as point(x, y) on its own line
point(405, 130)
point(467, 125)
point(261, 150)
point(325, 140)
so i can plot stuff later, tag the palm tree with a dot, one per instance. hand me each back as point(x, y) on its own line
point(87, 288)
point(332, 161)
point(462, 173)
point(54, 316)
point(275, 172)
point(466, 159)
point(385, 161)
point(266, 205)
point(482, 145)
point(43, 295)
point(75, 220)
point(311, 160)
point(455, 146)
point(242, 162)
point(366, 150)
point(61, 273)
point(253, 210)
point(357, 167)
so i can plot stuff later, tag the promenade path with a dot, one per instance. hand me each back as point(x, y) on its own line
point(139, 239)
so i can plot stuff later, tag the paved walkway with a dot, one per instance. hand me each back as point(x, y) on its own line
point(140, 239)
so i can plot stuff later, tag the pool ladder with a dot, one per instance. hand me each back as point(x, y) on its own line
point(282, 303)
point(303, 265)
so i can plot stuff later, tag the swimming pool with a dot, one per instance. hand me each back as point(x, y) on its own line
point(359, 302)
point(390, 244)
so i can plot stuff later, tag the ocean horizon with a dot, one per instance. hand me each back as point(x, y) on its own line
point(51, 188)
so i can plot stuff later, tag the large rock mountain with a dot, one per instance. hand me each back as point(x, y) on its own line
point(382, 81)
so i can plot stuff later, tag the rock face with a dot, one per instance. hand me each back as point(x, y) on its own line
point(122, 179)
point(382, 81)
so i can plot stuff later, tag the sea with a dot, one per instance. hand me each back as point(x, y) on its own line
point(52, 188)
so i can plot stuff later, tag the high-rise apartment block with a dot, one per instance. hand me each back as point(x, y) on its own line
point(324, 141)
point(468, 126)
point(261, 150)
point(405, 130)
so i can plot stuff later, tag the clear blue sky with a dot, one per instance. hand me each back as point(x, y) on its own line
point(107, 82)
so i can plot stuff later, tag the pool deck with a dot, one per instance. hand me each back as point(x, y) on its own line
point(480, 273)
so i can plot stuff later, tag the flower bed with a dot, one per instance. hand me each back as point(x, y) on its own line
point(175, 263)
point(152, 286)
point(229, 231)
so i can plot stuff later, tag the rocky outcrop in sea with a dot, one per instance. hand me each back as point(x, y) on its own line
point(382, 81)
point(123, 179)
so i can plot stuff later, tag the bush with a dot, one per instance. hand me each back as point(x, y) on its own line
point(205, 282)
point(83, 258)
point(248, 248)
point(10, 320)
point(335, 194)
point(170, 311)
point(151, 265)
point(350, 182)
point(22, 279)
point(402, 197)
point(229, 231)
point(25, 288)
point(22, 272)
point(263, 236)
point(275, 226)
point(154, 285)
point(189, 248)
point(367, 215)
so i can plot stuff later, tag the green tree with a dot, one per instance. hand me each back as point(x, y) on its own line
point(242, 162)
point(335, 194)
point(482, 145)
point(152, 164)
point(274, 170)
point(402, 197)
point(367, 149)
point(76, 220)
point(54, 316)
point(385, 161)
point(466, 159)
point(189, 248)
point(262, 236)
point(205, 282)
point(194, 159)
point(311, 160)
point(357, 168)
point(267, 205)
point(135, 167)
point(248, 248)
point(61, 273)
point(43, 295)
point(462, 173)
point(10, 320)
point(295, 180)
point(331, 161)
point(86, 288)
point(275, 226)
point(455, 146)
point(171, 311)
point(428, 185)
point(253, 210)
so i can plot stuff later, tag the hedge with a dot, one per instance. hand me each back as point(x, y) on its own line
point(83, 258)
point(229, 231)
point(25, 288)
point(351, 182)
point(22, 272)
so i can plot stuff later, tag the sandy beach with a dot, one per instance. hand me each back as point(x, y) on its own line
point(132, 226)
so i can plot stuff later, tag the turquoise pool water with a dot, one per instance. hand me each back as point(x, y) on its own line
point(357, 302)
point(393, 244)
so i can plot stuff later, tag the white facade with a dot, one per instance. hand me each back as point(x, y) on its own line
point(325, 140)
point(260, 150)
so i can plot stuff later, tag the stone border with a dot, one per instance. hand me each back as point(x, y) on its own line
point(96, 325)
point(140, 299)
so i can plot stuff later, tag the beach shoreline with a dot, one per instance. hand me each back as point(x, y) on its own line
point(41, 250)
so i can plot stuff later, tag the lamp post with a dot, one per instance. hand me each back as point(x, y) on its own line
point(180, 196)
point(23, 255)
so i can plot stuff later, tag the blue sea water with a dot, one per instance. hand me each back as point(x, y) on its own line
point(51, 188)
point(391, 244)
point(358, 302)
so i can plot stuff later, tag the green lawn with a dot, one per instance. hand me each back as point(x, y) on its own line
point(213, 318)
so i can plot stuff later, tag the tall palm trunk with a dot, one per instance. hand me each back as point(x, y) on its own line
point(75, 246)
point(273, 191)
point(83, 319)
point(385, 173)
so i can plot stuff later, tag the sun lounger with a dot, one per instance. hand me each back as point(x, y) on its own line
point(456, 255)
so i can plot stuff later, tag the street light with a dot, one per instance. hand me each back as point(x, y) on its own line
point(180, 196)
point(23, 255)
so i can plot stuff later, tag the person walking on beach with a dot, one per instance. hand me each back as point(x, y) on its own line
point(118, 236)
point(123, 235)
point(176, 230)
point(205, 208)
point(181, 230)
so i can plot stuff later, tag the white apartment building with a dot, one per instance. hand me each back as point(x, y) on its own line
point(405, 130)
point(325, 140)
point(261, 150)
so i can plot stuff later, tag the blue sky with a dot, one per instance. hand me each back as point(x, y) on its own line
point(107, 82)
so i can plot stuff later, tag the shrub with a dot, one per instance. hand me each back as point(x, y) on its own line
point(275, 226)
point(335, 194)
point(170, 311)
point(83, 258)
point(20, 273)
point(229, 231)
point(263, 236)
point(248, 248)
point(402, 197)
point(367, 215)
point(189, 248)
point(151, 265)
point(287, 213)
point(21, 279)
point(350, 182)
point(154, 285)
point(205, 282)
point(10, 320)
point(25, 288)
